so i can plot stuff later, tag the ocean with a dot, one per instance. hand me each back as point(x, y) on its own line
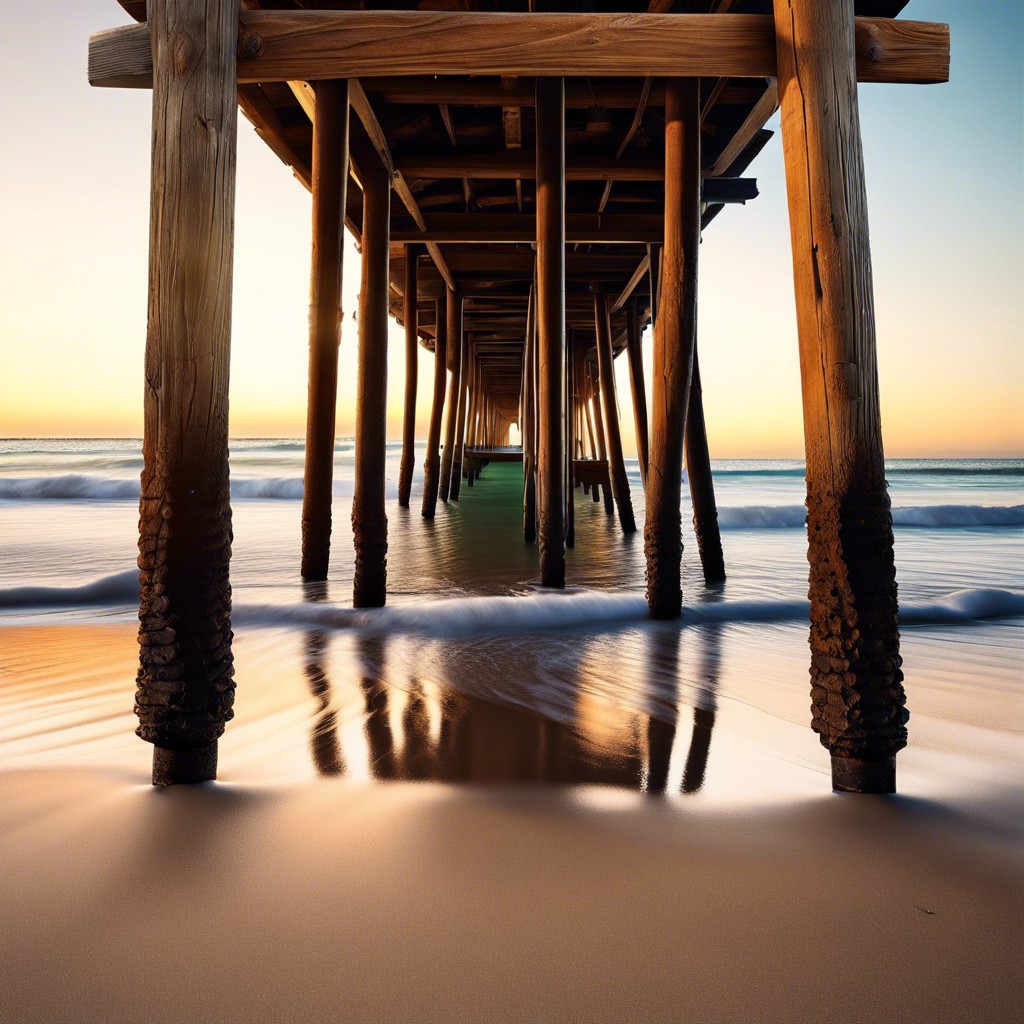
point(578, 686)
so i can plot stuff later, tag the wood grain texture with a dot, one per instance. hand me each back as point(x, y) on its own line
point(550, 227)
point(606, 371)
point(329, 180)
point(675, 338)
point(369, 517)
point(185, 685)
point(410, 318)
point(432, 463)
point(702, 485)
point(857, 693)
point(316, 45)
point(522, 227)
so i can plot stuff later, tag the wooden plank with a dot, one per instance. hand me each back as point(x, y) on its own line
point(411, 322)
point(315, 45)
point(582, 165)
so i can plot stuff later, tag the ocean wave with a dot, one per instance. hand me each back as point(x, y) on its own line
point(785, 517)
point(84, 487)
point(528, 613)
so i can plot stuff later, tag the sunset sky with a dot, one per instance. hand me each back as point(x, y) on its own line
point(945, 172)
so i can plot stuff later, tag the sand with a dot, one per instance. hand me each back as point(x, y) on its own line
point(278, 896)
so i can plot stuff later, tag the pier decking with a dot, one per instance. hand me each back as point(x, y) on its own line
point(529, 189)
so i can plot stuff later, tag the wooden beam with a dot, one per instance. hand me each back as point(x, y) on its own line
point(642, 270)
point(315, 45)
point(521, 227)
point(432, 464)
point(582, 165)
point(744, 135)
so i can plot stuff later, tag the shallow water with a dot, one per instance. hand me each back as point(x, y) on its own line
point(471, 673)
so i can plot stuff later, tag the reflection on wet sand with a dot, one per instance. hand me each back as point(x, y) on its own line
point(426, 730)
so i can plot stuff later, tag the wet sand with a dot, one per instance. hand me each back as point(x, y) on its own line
point(569, 882)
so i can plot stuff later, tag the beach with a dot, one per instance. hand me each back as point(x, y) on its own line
point(486, 802)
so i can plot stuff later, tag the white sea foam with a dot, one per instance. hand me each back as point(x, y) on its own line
point(783, 517)
point(470, 616)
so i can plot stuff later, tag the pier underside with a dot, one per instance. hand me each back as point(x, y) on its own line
point(529, 188)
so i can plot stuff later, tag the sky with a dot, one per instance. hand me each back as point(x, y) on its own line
point(945, 176)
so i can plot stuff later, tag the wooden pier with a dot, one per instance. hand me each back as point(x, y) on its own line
point(529, 189)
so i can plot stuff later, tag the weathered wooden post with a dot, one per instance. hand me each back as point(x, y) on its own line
point(412, 344)
point(432, 464)
point(702, 486)
point(569, 423)
point(329, 186)
point(675, 336)
point(369, 518)
point(602, 446)
point(550, 116)
point(454, 390)
point(530, 421)
point(606, 370)
point(637, 387)
point(856, 680)
point(185, 685)
point(460, 430)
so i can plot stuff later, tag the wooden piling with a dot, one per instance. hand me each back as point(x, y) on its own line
point(570, 443)
point(432, 464)
point(454, 312)
point(638, 389)
point(412, 344)
point(856, 680)
point(602, 447)
point(329, 187)
point(369, 518)
point(185, 685)
point(702, 486)
point(530, 421)
point(460, 429)
point(675, 337)
point(606, 370)
point(550, 118)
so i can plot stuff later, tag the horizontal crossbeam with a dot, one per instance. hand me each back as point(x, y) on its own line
point(281, 46)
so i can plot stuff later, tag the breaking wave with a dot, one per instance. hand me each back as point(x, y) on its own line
point(534, 612)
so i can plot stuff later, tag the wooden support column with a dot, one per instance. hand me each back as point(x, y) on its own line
point(460, 428)
point(856, 680)
point(369, 519)
point(529, 425)
point(550, 117)
point(412, 344)
point(675, 337)
point(637, 388)
point(570, 443)
point(329, 186)
point(606, 369)
point(602, 447)
point(432, 464)
point(702, 486)
point(185, 682)
point(454, 312)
